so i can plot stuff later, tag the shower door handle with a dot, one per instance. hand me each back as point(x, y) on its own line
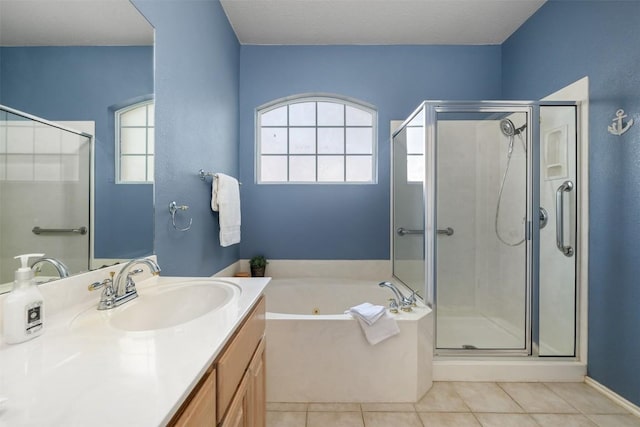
point(564, 188)
point(403, 231)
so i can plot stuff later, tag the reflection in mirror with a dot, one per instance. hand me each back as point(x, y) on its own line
point(44, 183)
point(80, 62)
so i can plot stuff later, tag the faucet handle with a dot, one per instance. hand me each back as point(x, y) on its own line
point(108, 297)
point(412, 298)
point(393, 305)
point(107, 283)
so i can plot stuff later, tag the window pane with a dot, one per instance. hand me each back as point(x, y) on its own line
point(331, 140)
point(132, 168)
point(302, 168)
point(359, 141)
point(151, 114)
point(151, 142)
point(133, 141)
point(415, 168)
point(150, 168)
point(302, 140)
point(331, 168)
point(415, 140)
point(302, 114)
point(273, 141)
point(358, 117)
point(135, 117)
point(275, 117)
point(359, 168)
point(330, 114)
point(273, 168)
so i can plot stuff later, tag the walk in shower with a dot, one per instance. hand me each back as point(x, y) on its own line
point(44, 194)
point(485, 224)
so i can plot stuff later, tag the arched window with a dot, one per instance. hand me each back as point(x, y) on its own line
point(135, 143)
point(316, 139)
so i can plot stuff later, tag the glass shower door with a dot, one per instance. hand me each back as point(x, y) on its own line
point(558, 243)
point(408, 205)
point(482, 290)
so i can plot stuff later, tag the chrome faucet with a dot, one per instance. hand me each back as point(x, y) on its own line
point(124, 284)
point(63, 270)
point(122, 289)
point(405, 302)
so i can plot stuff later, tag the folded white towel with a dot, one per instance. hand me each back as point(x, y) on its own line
point(368, 312)
point(375, 322)
point(225, 199)
point(384, 328)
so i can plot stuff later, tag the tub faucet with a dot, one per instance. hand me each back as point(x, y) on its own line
point(63, 270)
point(405, 303)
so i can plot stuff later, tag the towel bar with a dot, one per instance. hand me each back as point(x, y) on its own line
point(202, 174)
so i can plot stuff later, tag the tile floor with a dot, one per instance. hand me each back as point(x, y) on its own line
point(467, 404)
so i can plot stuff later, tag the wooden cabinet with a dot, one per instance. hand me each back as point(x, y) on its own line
point(257, 403)
point(248, 406)
point(200, 408)
point(233, 391)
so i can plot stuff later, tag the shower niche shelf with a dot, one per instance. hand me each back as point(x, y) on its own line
point(555, 153)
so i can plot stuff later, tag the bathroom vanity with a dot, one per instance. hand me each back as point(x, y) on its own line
point(232, 391)
point(187, 351)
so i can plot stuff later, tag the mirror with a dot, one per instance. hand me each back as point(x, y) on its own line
point(78, 64)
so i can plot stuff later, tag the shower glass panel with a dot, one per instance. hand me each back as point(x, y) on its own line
point(408, 204)
point(481, 172)
point(558, 190)
point(44, 182)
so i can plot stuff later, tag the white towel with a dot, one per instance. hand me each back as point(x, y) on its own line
point(368, 312)
point(380, 329)
point(225, 199)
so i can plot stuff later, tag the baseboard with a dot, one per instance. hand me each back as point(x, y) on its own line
point(629, 406)
point(525, 370)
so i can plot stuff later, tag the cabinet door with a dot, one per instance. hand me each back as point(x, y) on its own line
point(257, 404)
point(201, 409)
point(237, 416)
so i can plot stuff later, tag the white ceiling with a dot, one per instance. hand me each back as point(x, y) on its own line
point(319, 22)
point(287, 22)
point(72, 23)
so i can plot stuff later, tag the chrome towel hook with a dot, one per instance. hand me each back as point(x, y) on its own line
point(173, 208)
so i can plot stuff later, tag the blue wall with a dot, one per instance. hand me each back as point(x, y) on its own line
point(197, 83)
point(563, 42)
point(81, 83)
point(344, 221)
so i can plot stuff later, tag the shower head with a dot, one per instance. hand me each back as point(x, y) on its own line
point(509, 129)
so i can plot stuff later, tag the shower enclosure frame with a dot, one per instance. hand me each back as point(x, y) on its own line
point(431, 109)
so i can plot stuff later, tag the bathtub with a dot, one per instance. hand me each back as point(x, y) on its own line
point(316, 353)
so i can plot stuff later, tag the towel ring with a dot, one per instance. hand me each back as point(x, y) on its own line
point(173, 208)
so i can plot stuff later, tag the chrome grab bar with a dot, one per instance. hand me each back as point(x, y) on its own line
point(38, 230)
point(403, 231)
point(565, 187)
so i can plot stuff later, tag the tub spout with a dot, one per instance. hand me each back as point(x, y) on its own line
point(405, 303)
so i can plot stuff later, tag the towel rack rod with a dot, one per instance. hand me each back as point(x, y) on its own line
point(204, 174)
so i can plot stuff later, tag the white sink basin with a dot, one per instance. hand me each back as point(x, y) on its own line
point(164, 306)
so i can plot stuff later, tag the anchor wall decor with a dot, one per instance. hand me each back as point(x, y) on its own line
point(618, 127)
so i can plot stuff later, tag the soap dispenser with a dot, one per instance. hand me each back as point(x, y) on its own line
point(23, 310)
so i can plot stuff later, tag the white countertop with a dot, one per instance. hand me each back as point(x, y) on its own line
point(102, 376)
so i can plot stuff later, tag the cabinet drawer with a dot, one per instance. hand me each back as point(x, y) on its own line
point(201, 408)
point(236, 357)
